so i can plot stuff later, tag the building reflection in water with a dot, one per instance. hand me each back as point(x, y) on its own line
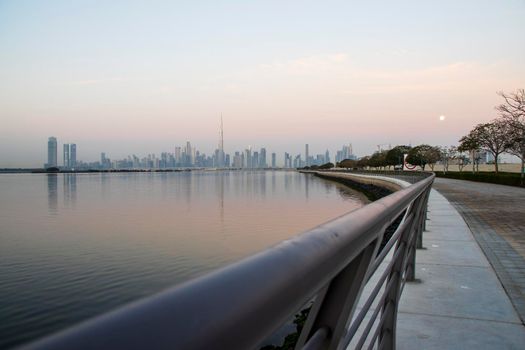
point(306, 185)
point(220, 178)
point(70, 189)
point(52, 193)
point(263, 183)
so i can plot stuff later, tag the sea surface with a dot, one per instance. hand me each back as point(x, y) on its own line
point(73, 246)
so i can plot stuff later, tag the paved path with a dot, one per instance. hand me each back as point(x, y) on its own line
point(458, 302)
point(496, 216)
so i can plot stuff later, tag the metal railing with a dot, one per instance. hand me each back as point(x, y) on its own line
point(408, 176)
point(239, 306)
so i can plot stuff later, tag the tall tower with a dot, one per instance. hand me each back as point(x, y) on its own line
point(73, 155)
point(262, 158)
point(66, 156)
point(306, 158)
point(221, 146)
point(188, 160)
point(51, 152)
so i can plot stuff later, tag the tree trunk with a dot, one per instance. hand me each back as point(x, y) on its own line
point(496, 163)
point(473, 162)
point(522, 168)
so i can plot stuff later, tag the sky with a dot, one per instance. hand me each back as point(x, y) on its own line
point(141, 77)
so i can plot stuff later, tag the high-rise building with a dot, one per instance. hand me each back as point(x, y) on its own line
point(297, 162)
point(73, 155)
point(66, 156)
point(178, 155)
point(345, 153)
point(51, 152)
point(262, 158)
point(306, 157)
point(287, 160)
point(248, 157)
point(188, 160)
point(273, 160)
point(220, 155)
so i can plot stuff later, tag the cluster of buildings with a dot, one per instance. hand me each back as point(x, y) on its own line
point(69, 154)
point(189, 157)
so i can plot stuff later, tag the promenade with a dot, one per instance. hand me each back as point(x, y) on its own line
point(458, 301)
point(496, 216)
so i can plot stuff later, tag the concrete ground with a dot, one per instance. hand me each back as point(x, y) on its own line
point(458, 301)
point(496, 216)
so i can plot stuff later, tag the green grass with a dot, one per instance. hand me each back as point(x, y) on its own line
point(509, 179)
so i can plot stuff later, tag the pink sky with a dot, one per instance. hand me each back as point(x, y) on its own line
point(109, 87)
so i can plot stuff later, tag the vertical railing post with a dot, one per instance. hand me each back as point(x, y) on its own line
point(422, 220)
point(333, 308)
point(387, 335)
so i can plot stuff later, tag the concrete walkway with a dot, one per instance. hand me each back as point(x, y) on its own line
point(458, 301)
point(496, 216)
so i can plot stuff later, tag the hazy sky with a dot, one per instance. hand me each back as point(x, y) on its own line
point(142, 77)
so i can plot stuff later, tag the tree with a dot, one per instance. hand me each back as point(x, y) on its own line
point(378, 159)
point(469, 143)
point(347, 163)
point(461, 159)
point(516, 147)
point(514, 107)
point(395, 155)
point(363, 162)
point(513, 113)
point(422, 155)
point(493, 138)
point(326, 166)
point(447, 154)
point(433, 155)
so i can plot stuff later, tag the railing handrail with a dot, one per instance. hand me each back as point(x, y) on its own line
point(240, 305)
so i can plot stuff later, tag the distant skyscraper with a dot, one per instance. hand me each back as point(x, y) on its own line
point(345, 153)
point(287, 160)
point(327, 157)
point(188, 160)
point(73, 155)
point(248, 157)
point(220, 157)
point(262, 158)
point(306, 157)
point(66, 156)
point(178, 156)
point(273, 160)
point(51, 152)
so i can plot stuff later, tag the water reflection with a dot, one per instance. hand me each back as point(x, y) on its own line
point(70, 189)
point(118, 237)
point(52, 193)
point(219, 185)
point(306, 185)
point(263, 185)
point(105, 183)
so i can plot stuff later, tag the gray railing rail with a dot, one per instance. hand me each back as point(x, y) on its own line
point(408, 176)
point(239, 306)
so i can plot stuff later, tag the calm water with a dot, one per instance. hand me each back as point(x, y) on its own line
point(76, 245)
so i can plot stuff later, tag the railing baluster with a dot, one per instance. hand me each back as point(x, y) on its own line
point(340, 300)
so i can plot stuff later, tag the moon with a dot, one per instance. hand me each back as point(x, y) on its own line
point(441, 117)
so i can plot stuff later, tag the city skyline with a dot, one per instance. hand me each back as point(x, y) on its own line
point(190, 156)
point(139, 76)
